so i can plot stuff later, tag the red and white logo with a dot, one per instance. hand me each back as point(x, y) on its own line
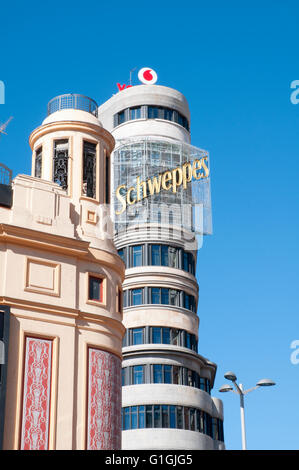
point(147, 76)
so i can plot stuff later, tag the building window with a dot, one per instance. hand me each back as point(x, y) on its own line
point(156, 255)
point(38, 163)
point(137, 297)
point(135, 113)
point(137, 255)
point(121, 117)
point(134, 424)
point(89, 169)
point(137, 334)
point(138, 375)
point(95, 289)
point(157, 374)
point(127, 423)
point(60, 167)
point(141, 417)
point(121, 253)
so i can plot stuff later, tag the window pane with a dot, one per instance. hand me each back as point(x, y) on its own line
point(153, 112)
point(60, 163)
point(164, 250)
point(141, 418)
point(192, 419)
point(166, 335)
point(175, 337)
point(156, 335)
point(134, 417)
point(137, 255)
point(168, 114)
point(121, 253)
point(149, 416)
point(138, 375)
point(137, 335)
point(165, 418)
point(176, 375)
point(185, 260)
point(197, 427)
point(38, 163)
point(172, 416)
point(155, 295)
point(156, 261)
point(135, 113)
point(158, 373)
point(95, 288)
point(202, 383)
point(173, 256)
point(186, 301)
point(174, 297)
point(123, 371)
point(157, 416)
point(167, 374)
point(89, 170)
point(137, 296)
point(179, 417)
point(165, 296)
point(188, 340)
point(186, 418)
point(121, 117)
point(127, 418)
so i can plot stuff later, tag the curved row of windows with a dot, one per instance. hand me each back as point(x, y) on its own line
point(159, 296)
point(164, 374)
point(171, 416)
point(149, 254)
point(151, 112)
point(160, 335)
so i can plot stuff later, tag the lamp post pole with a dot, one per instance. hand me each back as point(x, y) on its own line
point(241, 392)
point(242, 412)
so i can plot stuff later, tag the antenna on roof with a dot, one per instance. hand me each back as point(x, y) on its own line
point(4, 126)
point(131, 73)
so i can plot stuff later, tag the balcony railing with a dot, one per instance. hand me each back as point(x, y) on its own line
point(73, 101)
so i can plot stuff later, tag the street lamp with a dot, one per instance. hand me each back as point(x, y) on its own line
point(241, 392)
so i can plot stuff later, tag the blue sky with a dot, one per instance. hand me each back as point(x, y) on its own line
point(234, 61)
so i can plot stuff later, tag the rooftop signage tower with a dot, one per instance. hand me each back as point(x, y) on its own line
point(160, 193)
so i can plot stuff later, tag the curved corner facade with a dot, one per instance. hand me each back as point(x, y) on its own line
point(60, 284)
point(166, 397)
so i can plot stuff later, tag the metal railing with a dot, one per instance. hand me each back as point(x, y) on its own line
point(5, 175)
point(73, 101)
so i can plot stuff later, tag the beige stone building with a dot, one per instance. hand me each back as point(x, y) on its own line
point(61, 290)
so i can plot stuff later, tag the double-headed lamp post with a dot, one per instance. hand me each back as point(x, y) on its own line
point(241, 392)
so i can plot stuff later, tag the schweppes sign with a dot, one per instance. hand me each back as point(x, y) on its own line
point(169, 180)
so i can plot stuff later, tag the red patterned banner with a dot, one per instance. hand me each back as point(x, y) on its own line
point(104, 401)
point(37, 390)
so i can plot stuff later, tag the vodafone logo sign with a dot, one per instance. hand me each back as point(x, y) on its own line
point(147, 76)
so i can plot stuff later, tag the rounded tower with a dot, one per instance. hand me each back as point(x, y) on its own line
point(166, 397)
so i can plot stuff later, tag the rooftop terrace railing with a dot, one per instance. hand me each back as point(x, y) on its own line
point(73, 101)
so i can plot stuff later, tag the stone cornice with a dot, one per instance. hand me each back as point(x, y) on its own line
point(76, 126)
point(71, 316)
point(59, 244)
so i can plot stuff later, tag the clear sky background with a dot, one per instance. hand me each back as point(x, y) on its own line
point(234, 61)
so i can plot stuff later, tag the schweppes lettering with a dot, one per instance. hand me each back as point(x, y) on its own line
point(169, 180)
